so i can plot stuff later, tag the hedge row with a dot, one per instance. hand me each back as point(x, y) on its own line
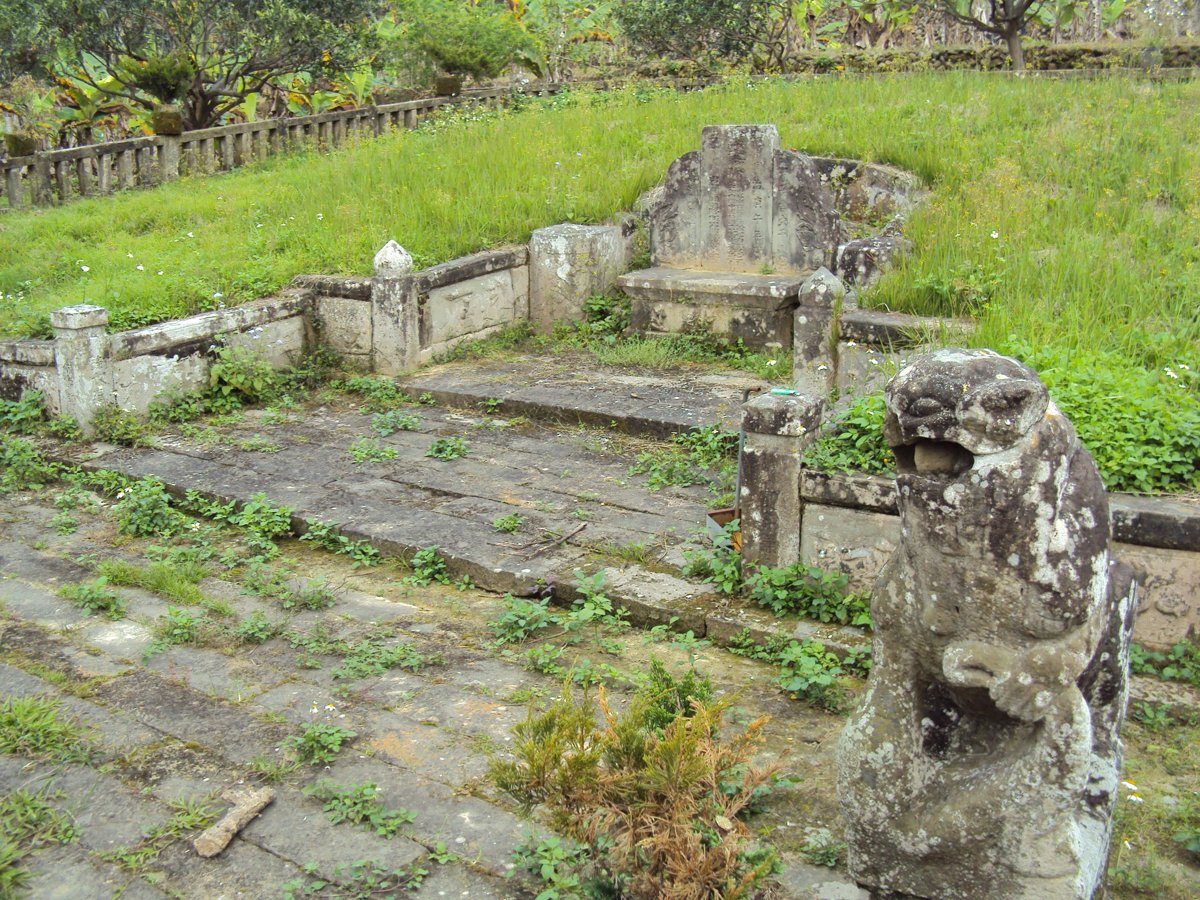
point(1044, 57)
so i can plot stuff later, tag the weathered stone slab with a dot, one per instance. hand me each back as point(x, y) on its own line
point(567, 265)
point(855, 542)
point(295, 828)
point(70, 873)
point(758, 291)
point(736, 193)
point(467, 309)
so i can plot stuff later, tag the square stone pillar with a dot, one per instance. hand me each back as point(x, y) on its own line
point(81, 358)
point(567, 265)
point(815, 333)
point(395, 317)
point(778, 427)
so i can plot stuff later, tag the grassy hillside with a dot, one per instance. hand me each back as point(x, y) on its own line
point(1065, 213)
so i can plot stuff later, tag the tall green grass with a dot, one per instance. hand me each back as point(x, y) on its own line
point(1064, 213)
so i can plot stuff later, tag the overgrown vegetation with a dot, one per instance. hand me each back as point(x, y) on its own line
point(1180, 663)
point(653, 798)
point(318, 743)
point(28, 822)
point(706, 456)
point(1142, 427)
point(1017, 158)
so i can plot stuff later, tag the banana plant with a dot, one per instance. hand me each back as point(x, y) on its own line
point(88, 101)
point(357, 85)
point(557, 25)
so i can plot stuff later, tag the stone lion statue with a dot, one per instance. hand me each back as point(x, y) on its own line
point(983, 760)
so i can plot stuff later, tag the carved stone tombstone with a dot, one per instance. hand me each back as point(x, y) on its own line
point(734, 230)
point(983, 761)
point(742, 204)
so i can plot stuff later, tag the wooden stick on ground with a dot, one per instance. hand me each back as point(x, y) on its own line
point(247, 805)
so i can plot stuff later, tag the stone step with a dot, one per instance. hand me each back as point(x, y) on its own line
point(644, 404)
point(581, 508)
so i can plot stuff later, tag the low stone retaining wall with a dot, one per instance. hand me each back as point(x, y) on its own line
point(849, 523)
point(391, 323)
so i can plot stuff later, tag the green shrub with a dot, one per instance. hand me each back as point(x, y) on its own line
point(809, 591)
point(664, 698)
point(509, 524)
point(1180, 663)
point(521, 618)
point(1142, 428)
point(379, 393)
point(427, 567)
point(95, 597)
point(144, 509)
point(319, 743)
point(22, 467)
point(810, 672)
point(661, 811)
point(448, 448)
point(119, 426)
point(23, 416)
point(366, 450)
point(856, 442)
point(239, 376)
point(359, 805)
point(466, 40)
point(394, 420)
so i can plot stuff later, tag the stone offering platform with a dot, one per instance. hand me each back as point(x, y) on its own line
point(757, 309)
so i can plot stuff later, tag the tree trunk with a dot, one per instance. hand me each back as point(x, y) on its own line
point(1012, 37)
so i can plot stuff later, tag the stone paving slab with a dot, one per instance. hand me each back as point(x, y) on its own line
point(192, 720)
point(70, 873)
point(295, 828)
point(411, 502)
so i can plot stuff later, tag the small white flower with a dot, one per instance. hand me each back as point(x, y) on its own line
point(190, 234)
point(995, 235)
point(1171, 374)
point(218, 295)
point(129, 255)
point(771, 362)
point(320, 216)
point(258, 225)
point(86, 268)
point(1134, 798)
point(140, 267)
point(1129, 785)
point(159, 272)
point(329, 707)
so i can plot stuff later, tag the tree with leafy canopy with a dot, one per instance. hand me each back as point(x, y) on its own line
point(754, 31)
point(1003, 18)
point(208, 55)
point(463, 38)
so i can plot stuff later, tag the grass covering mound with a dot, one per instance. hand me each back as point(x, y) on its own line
point(1064, 212)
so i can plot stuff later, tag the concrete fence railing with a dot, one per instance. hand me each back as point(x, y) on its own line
point(54, 177)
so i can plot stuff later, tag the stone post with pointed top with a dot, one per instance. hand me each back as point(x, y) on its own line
point(395, 324)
